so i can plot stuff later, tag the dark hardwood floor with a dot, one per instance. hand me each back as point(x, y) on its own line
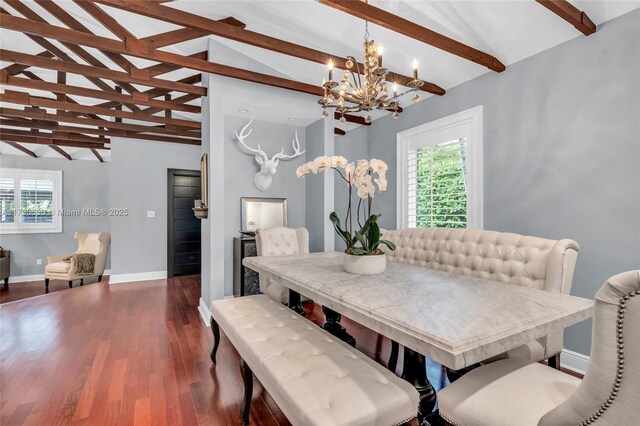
point(130, 354)
point(19, 291)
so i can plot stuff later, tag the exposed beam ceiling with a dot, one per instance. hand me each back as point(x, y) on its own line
point(97, 155)
point(339, 132)
point(571, 14)
point(65, 118)
point(154, 10)
point(19, 148)
point(94, 131)
point(61, 151)
point(140, 99)
point(408, 28)
point(88, 70)
point(45, 140)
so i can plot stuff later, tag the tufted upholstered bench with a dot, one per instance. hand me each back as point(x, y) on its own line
point(316, 379)
point(498, 256)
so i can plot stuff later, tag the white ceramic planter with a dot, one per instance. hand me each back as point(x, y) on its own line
point(365, 265)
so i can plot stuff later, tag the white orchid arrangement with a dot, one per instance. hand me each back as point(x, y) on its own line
point(365, 177)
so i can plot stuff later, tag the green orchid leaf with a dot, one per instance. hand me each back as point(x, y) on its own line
point(389, 244)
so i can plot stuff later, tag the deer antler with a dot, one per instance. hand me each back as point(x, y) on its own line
point(296, 151)
point(244, 134)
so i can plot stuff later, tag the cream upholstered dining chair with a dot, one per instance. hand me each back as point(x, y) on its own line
point(516, 392)
point(93, 243)
point(277, 241)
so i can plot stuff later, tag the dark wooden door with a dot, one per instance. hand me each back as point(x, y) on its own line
point(183, 229)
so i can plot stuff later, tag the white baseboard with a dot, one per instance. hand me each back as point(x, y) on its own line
point(205, 313)
point(138, 276)
point(39, 277)
point(574, 361)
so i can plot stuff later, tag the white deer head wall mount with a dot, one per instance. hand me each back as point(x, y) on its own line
point(268, 166)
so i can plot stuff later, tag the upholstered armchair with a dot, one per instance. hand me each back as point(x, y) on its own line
point(515, 391)
point(278, 241)
point(94, 243)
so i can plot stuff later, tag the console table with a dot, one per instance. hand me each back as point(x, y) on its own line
point(245, 281)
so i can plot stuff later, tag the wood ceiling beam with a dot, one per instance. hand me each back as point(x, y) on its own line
point(74, 24)
point(86, 56)
point(23, 98)
point(571, 14)
point(99, 94)
point(179, 100)
point(20, 148)
point(186, 34)
point(104, 18)
point(408, 28)
point(37, 80)
point(339, 132)
point(61, 152)
point(53, 50)
point(97, 155)
point(88, 70)
point(97, 131)
point(145, 52)
point(39, 114)
point(154, 93)
point(163, 68)
point(56, 134)
point(352, 119)
point(221, 29)
point(39, 140)
point(15, 69)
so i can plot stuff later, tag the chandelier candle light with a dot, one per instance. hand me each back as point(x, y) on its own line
point(364, 86)
point(363, 253)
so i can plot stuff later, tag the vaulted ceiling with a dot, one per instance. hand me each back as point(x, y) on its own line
point(124, 78)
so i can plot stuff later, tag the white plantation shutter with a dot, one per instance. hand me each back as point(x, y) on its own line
point(36, 200)
point(30, 201)
point(7, 203)
point(437, 186)
point(440, 173)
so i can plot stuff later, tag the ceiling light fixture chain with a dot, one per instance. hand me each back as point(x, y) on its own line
point(363, 87)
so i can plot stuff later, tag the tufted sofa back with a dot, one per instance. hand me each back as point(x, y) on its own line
point(278, 241)
point(497, 256)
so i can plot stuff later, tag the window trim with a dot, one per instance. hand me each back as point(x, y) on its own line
point(472, 117)
point(35, 228)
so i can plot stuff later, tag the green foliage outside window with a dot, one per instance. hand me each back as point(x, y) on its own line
point(441, 186)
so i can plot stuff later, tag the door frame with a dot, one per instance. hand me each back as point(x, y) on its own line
point(171, 173)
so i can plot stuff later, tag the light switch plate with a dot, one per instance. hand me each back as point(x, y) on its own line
point(38, 261)
point(151, 213)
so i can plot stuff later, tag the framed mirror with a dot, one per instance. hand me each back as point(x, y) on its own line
point(259, 213)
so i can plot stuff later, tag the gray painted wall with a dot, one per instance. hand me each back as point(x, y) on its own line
point(139, 183)
point(315, 188)
point(239, 169)
point(561, 151)
point(85, 184)
point(353, 149)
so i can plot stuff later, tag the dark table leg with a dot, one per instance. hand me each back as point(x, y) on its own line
point(333, 326)
point(415, 372)
point(294, 302)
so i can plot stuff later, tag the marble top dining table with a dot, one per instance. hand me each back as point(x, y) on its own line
point(454, 319)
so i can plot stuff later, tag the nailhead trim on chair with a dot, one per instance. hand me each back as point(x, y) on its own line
point(616, 384)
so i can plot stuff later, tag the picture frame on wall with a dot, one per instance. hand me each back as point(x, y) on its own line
point(204, 179)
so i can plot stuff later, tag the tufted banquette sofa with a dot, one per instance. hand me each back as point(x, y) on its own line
point(498, 256)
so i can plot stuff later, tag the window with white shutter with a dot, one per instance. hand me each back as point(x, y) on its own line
point(30, 201)
point(440, 173)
